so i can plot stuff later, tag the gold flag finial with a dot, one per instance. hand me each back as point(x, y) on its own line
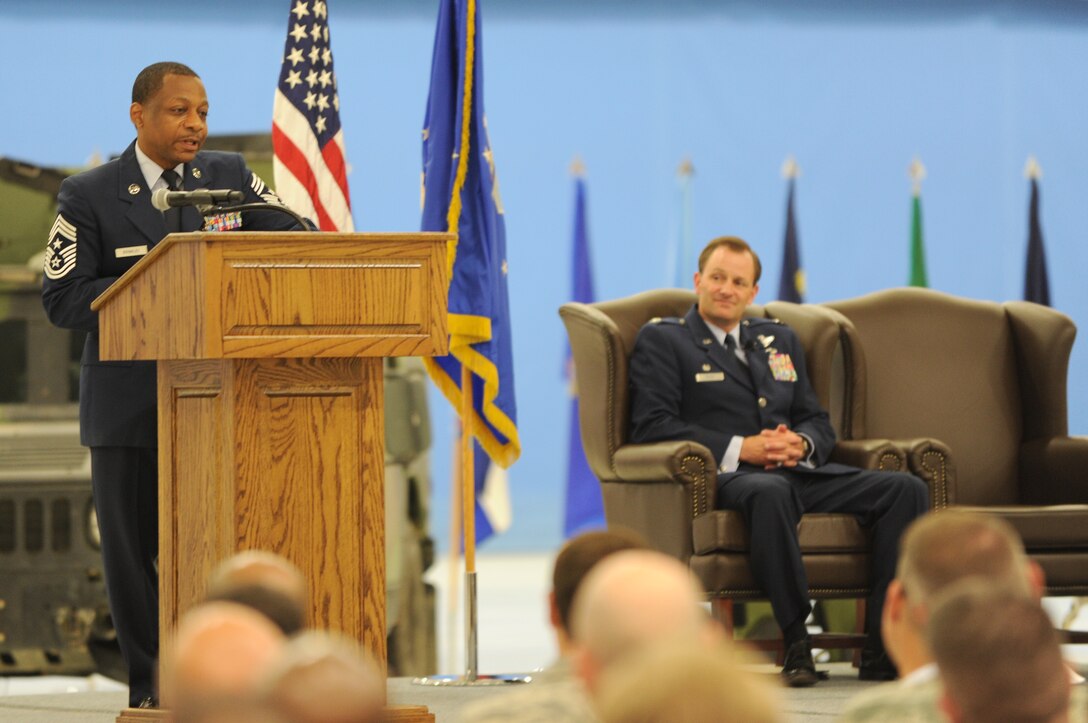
point(790, 169)
point(686, 169)
point(917, 175)
point(577, 168)
point(1032, 170)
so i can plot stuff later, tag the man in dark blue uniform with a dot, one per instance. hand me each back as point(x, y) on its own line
point(739, 387)
point(105, 224)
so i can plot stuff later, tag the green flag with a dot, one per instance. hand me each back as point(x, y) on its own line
point(917, 248)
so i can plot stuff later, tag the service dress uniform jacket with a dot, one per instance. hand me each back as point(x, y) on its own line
point(105, 224)
point(685, 385)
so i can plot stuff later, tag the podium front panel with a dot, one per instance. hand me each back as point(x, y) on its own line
point(284, 455)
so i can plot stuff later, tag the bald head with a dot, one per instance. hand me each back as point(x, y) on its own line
point(633, 599)
point(679, 682)
point(265, 582)
point(998, 655)
point(944, 547)
point(325, 679)
point(221, 651)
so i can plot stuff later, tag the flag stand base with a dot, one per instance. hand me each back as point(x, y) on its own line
point(471, 678)
point(462, 681)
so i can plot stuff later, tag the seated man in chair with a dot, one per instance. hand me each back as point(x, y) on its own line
point(740, 388)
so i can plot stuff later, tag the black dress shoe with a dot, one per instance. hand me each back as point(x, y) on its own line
point(147, 702)
point(876, 665)
point(798, 670)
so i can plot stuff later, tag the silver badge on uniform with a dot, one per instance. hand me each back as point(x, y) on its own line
point(196, 173)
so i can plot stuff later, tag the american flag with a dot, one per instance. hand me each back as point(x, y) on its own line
point(307, 140)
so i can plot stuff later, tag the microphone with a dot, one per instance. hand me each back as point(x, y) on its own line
point(164, 198)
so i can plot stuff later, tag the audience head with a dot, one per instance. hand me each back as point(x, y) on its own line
point(678, 682)
point(574, 562)
point(220, 653)
point(325, 679)
point(265, 582)
point(947, 546)
point(631, 600)
point(998, 655)
point(937, 551)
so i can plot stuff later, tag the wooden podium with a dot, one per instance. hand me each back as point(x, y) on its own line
point(271, 430)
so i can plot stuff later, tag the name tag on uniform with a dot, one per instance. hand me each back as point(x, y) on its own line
point(710, 377)
point(782, 367)
point(130, 251)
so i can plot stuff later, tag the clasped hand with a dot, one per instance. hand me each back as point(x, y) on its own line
point(772, 448)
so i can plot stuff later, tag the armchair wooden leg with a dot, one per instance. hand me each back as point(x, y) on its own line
point(723, 612)
point(859, 627)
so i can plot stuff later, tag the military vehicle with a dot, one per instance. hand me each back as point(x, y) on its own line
point(54, 617)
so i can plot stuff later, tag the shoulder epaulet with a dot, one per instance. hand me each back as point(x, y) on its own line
point(759, 321)
point(673, 320)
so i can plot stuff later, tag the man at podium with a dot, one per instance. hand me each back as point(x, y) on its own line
point(105, 224)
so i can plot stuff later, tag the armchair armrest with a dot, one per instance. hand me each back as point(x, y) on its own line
point(681, 462)
point(870, 454)
point(931, 460)
point(928, 459)
point(1052, 471)
point(658, 489)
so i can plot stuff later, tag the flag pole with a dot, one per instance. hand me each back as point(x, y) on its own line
point(467, 490)
point(453, 577)
point(682, 253)
point(468, 515)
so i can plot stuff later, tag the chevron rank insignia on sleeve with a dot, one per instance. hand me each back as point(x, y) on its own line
point(267, 194)
point(60, 254)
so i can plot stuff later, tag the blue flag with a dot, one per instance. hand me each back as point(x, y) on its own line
point(585, 510)
point(1036, 285)
point(461, 195)
point(791, 284)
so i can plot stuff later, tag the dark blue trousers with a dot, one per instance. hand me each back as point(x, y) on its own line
point(772, 503)
point(126, 498)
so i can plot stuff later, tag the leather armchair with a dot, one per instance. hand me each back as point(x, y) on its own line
point(666, 490)
point(988, 381)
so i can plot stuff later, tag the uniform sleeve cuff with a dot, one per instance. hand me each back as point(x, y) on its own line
point(731, 458)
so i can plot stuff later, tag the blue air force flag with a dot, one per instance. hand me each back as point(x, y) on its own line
point(585, 508)
point(460, 194)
